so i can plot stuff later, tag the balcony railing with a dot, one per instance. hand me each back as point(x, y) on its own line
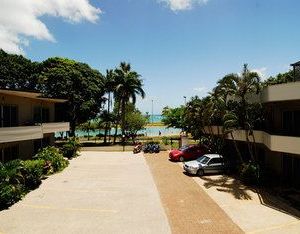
point(13, 134)
point(285, 144)
point(56, 127)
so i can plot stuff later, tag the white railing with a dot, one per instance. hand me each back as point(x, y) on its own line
point(285, 144)
point(13, 134)
point(55, 127)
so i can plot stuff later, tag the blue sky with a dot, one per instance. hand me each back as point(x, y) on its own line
point(178, 52)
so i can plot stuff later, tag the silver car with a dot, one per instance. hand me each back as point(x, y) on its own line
point(208, 163)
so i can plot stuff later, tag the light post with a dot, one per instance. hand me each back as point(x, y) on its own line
point(184, 100)
point(152, 111)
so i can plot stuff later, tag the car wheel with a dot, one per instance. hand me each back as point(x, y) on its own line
point(181, 159)
point(200, 172)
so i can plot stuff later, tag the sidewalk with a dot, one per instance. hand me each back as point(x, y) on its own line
point(98, 193)
point(254, 211)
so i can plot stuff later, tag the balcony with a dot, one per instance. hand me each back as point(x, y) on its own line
point(281, 92)
point(55, 127)
point(285, 144)
point(13, 134)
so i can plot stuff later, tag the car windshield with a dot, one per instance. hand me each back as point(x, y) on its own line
point(204, 159)
point(183, 148)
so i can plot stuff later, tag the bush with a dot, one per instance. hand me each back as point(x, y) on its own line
point(10, 194)
point(71, 148)
point(34, 172)
point(53, 159)
point(11, 182)
point(165, 140)
point(250, 173)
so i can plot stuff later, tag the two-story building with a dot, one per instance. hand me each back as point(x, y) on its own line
point(28, 122)
point(278, 142)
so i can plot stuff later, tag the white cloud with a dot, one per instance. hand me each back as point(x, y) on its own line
point(200, 89)
point(262, 72)
point(20, 19)
point(179, 5)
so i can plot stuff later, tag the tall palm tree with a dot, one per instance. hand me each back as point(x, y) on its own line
point(238, 88)
point(128, 86)
point(109, 88)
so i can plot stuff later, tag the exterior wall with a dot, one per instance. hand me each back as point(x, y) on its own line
point(281, 92)
point(26, 107)
point(24, 140)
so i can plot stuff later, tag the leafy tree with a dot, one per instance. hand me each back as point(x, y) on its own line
point(127, 86)
point(81, 85)
point(17, 72)
point(134, 121)
point(280, 78)
point(174, 117)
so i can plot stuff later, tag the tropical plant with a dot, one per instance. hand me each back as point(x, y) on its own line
point(127, 86)
point(71, 148)
point(53, 158)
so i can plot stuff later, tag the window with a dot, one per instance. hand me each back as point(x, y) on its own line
point(41, 115)
point(9, 116)
point(10, 153)
point(216, 161)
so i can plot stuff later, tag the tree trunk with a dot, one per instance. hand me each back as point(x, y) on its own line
point(123, 120)
point(237, 148)
point(117, 122)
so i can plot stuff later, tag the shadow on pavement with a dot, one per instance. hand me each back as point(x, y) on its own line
point(242, 192)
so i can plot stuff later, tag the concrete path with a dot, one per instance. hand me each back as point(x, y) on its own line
point(98, 193)
point(253, 210)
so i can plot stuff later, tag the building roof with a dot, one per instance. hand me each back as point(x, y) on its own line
point(31, 95)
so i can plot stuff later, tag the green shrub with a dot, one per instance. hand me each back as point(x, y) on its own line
point(10, 194)
point(11, 182)
point(165, 140)
point(53, 158)
point(250, 173)
point(34, 172)
point(71, 148)
point(12, 172)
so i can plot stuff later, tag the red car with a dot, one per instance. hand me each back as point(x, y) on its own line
point(188, 152)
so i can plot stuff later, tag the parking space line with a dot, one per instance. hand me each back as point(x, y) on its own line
point(274, 227)
point(69, 209)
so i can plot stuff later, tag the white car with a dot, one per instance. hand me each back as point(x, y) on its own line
point(208, 163)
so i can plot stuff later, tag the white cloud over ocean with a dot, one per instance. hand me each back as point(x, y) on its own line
point(180, 5)
point(21, 19)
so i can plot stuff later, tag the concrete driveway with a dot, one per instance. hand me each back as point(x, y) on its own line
point(98, 193)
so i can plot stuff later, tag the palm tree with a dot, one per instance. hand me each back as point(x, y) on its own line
point(109, 88)
point(128, 86)
point(238, 88)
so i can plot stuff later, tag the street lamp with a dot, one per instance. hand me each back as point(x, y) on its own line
point(152, 111)
point(184, 100)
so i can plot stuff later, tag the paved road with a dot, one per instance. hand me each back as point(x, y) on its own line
point(188, 206)
point(98, 193)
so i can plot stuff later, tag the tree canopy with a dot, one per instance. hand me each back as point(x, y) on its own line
point(17, 72)
point(81, 85)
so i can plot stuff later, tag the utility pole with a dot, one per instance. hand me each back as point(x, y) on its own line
point(152, 111)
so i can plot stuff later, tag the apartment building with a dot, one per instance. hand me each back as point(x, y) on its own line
point(28, 122)
point(278, 142)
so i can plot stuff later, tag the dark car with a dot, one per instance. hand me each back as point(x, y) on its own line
point(188, 152)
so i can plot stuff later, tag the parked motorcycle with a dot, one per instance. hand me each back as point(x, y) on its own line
point(138, 148)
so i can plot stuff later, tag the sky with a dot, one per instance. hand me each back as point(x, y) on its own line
point(180, 47)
